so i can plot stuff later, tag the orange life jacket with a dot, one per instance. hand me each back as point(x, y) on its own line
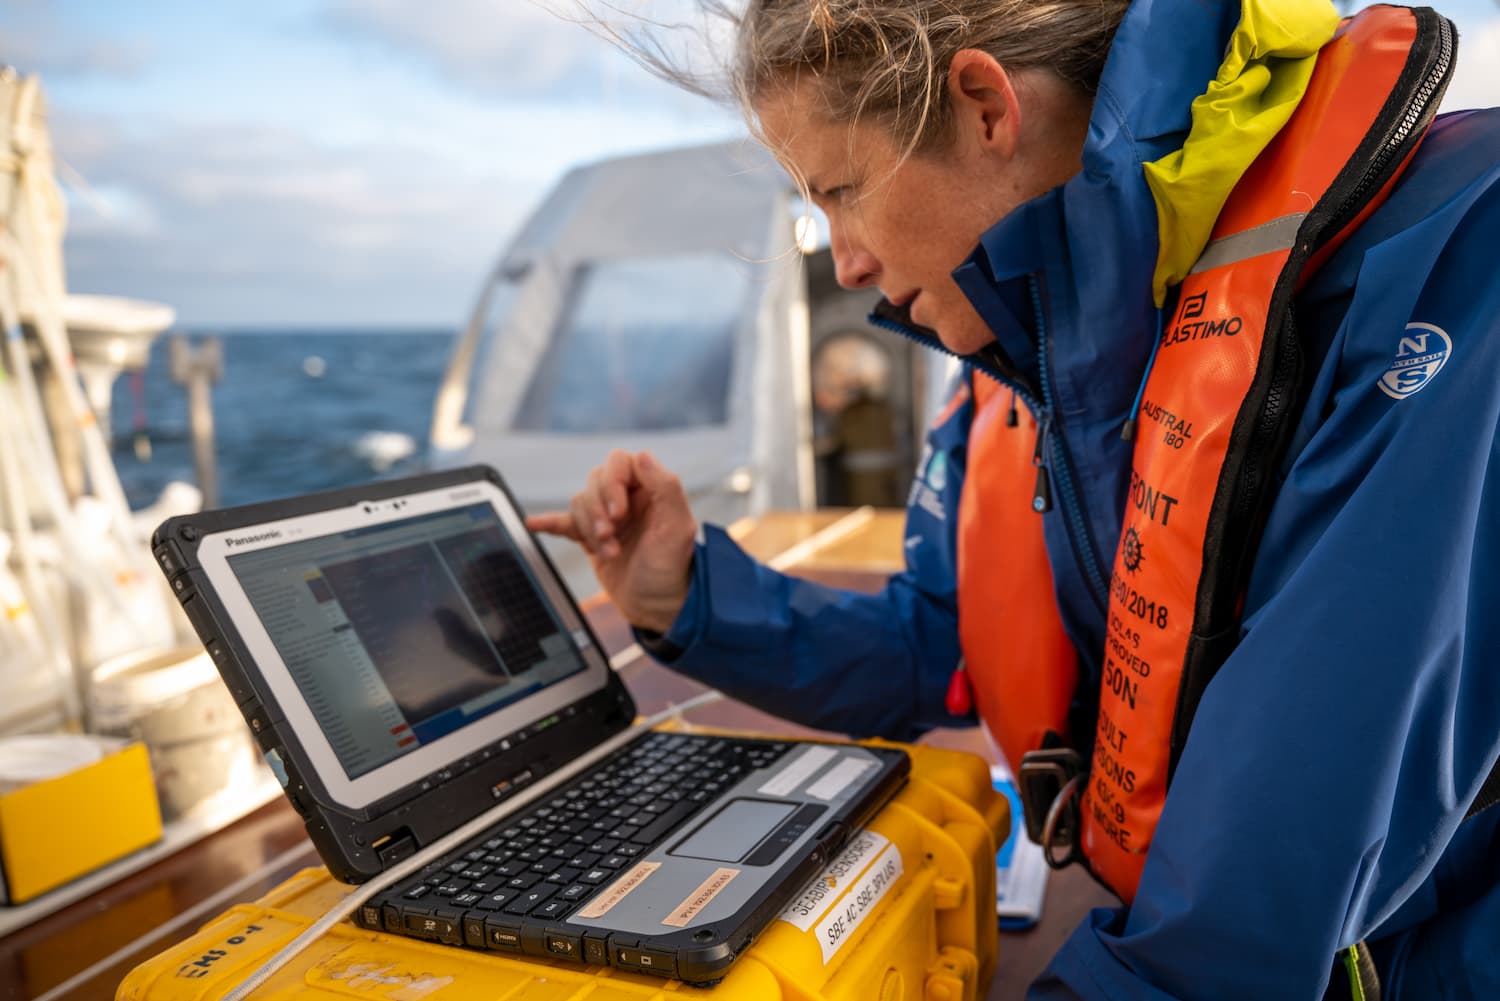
point(1021, 665)
point(1218, 406)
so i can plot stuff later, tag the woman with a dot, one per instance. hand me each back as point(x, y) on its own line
point(1300, 349)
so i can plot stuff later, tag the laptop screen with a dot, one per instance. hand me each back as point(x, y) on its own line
point(399, 634)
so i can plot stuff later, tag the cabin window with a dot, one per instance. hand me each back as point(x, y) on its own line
point(645, 344)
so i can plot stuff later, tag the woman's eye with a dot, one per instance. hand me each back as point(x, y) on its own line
point(843, 194)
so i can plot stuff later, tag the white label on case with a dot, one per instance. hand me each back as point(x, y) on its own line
point(819, 894)
point(845, 917)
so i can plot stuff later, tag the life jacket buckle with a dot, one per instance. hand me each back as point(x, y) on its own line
point(1049, 783)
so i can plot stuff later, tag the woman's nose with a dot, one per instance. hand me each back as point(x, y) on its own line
point(853, 265)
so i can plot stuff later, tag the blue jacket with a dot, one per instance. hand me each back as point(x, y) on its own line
point(1320, 798)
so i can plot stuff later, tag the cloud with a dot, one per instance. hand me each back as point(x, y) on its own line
point(265, 226)
point(1476, 80)
point(37, 41)
point(520, 48)
point(272, 224)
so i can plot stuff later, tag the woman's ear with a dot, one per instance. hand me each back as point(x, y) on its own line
point(983, 98)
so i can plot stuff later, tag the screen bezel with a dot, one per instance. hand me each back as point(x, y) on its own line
point(215, 549)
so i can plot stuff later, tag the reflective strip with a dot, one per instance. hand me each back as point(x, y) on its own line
point(1278, 234)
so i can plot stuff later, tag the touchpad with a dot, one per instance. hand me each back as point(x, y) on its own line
point(739, 826)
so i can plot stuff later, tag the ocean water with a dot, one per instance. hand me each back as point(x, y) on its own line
point(295, 411)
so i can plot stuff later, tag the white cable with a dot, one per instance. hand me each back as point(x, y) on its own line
point(442, 846)
point(32, 227)
point(52, 334)
point(187, 917)
point(38, 595)
point(32, 256)
point(42, 472)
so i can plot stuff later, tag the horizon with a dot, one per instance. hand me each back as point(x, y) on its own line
point(311, 165)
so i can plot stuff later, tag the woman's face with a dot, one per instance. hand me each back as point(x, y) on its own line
point(905, 225)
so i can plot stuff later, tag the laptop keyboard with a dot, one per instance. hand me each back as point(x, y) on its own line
point(553, 856)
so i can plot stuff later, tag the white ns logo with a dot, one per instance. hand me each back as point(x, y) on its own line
point(1420, 355)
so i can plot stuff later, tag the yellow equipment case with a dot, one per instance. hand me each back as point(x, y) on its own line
point(905, 911)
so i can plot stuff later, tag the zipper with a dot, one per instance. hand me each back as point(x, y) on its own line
point(1417, 115)
point(1062, 470)
point(1041, 495)
point(1285, 366)
point(992, 362)
point(1266, 442)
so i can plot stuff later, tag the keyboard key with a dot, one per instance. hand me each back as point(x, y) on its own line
point(596, 876)
point(552, 909)
point(576, 892)
point(497, 900)
point(665, 822)
point(524, 881)
point(531, 898)
point(417, 892)
point(468, 899)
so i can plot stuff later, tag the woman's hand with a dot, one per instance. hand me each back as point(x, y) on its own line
point(633, 520)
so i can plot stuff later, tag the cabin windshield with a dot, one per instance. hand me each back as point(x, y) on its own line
point(645, 344)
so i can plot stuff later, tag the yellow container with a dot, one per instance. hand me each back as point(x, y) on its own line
point(55, 830)
point(910, 915)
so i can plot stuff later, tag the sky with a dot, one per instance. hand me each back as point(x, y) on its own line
point(356, 163)
point(323, 162)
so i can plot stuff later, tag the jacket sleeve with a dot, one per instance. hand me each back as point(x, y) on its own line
point(863, 664)
point(1321, 795)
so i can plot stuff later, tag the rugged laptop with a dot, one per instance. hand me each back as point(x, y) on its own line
point(407, 657)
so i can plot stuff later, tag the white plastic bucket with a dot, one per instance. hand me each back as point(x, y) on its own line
point(172, 700)
point(38, 757)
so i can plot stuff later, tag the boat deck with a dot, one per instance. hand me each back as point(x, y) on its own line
point(81, 952)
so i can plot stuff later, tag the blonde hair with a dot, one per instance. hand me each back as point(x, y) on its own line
point(887, 61)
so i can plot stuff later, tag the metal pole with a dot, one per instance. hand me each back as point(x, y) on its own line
point(198, 369)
